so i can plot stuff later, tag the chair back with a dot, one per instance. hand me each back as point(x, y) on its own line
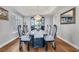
point(25, 29)
point(54, 31)
point(19, 30)
point(49, 29)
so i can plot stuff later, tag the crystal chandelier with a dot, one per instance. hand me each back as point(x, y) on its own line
point(37, 17)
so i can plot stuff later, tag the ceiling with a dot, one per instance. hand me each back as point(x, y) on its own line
point(34, 10)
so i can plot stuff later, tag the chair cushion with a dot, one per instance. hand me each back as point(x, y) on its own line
point(49, 38)
point(25, 38)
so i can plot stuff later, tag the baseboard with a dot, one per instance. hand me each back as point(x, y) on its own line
point(8, 45)
point(8, 42)
point(68, 42)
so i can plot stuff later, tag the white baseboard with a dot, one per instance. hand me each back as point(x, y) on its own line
point(73, 45)
point(8, 42)
point(5, 43)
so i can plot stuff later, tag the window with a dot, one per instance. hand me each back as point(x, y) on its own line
point(37, 24)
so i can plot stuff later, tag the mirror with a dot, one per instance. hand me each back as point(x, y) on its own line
point(68, 17)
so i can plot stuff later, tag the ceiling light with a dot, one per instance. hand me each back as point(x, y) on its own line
point(37, 17)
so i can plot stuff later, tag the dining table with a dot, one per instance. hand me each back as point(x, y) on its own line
point(37, 39)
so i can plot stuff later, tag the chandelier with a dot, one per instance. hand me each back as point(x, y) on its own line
point(37, 17)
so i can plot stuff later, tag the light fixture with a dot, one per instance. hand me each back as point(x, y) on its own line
point(37, 17)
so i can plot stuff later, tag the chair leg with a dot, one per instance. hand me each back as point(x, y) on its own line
point(28, 47)
point(54, 45)
point(55, 48)
point(20, 47)
point(46, 47)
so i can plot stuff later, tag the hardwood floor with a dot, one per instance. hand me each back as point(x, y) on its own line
point(61, 47)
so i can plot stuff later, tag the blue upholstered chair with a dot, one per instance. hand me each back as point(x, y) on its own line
point(52, 36)
point(23, 38)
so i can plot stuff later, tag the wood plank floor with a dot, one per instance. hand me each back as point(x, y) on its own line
point(61, 47)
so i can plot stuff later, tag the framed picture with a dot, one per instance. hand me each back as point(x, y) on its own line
point(3, 14)
point(68, 17)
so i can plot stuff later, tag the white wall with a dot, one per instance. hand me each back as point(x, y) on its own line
point(48, 21)
point(27, 20)
point(8, 28)
point(69, 32)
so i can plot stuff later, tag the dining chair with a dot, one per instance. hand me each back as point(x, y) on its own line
point(51, 37)
point(23, 38)
point(25, 29)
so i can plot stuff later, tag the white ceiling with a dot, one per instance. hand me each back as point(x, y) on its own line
point(34, 10)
